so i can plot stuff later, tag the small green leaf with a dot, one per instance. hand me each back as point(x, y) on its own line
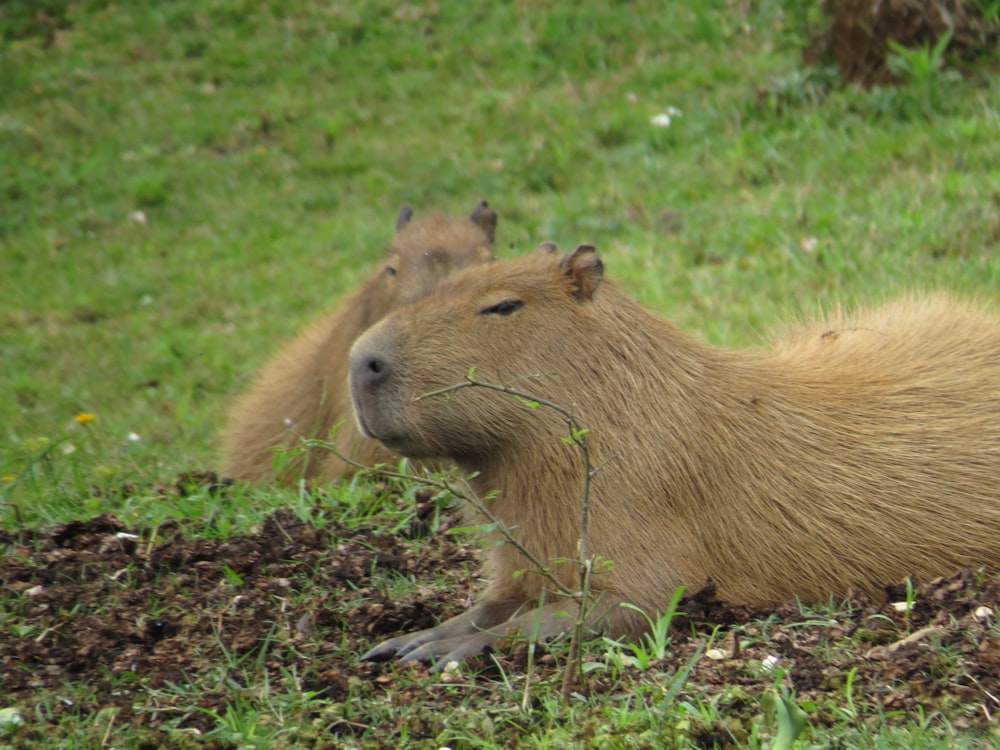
point(485, 528)
point(791, 719)
point(232, 576)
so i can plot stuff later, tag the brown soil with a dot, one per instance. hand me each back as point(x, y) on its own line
point(94, 603)
point(858, 33)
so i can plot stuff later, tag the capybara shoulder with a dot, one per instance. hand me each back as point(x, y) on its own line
point(849, 454)
point(301, 392)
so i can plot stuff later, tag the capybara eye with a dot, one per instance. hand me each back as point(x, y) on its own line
point(390, 271)
point(503, 308)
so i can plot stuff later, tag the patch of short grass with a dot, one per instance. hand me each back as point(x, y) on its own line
point(183, 185)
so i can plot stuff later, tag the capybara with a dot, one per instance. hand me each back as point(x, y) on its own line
point(850, 454)
point(302, 391)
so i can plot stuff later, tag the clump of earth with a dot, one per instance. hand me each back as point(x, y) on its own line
point(858, 32)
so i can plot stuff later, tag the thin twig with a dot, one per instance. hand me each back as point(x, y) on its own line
point(578, 437)
point(468, 495)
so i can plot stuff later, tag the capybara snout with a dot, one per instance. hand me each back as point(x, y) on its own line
point(370, 372)
point(376, 383)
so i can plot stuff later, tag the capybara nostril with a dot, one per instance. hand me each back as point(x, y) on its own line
point(373, 370)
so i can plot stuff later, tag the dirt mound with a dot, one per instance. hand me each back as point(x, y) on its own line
point(857, 37)
point(94, 603)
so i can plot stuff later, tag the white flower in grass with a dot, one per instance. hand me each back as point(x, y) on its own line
point(664, 118)
point(10, 717)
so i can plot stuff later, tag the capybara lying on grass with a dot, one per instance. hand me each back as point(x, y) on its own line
point(849, 455)
point(302, 391)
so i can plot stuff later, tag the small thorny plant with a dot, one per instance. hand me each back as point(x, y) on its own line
point(922, 70)
point(576, 436)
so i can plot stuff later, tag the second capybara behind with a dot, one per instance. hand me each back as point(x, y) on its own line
point(301, 392)
point(848, 455)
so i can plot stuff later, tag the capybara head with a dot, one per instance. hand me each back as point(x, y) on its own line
point(522, 323)
point(425, 251)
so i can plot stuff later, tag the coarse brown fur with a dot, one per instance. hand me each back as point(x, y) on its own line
point(850, 454)
point(301, 392)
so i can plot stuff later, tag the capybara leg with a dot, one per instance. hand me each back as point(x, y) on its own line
point(469, 633)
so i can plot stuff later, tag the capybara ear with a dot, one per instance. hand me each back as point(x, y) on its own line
point(404, 216)
point(486, 218)
point(546, 248)
point(584, 267)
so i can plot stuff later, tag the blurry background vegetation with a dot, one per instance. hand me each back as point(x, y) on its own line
point(182, 185)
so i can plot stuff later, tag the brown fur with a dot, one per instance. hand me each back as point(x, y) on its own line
point(302, 391)
point(849, 455)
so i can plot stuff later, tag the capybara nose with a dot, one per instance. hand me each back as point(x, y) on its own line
point(371, 370)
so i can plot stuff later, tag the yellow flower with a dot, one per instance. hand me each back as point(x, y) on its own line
point(84, 416)
point(9, 477)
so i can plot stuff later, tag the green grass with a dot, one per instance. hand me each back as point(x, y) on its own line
point(183, 184)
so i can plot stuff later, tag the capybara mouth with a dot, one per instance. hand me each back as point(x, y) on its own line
point(359, 417)
point(363, 426)
point(396, 440)
point(383, 435)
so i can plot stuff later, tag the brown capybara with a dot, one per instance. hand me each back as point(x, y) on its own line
point(302, 391)
point(849, 455)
